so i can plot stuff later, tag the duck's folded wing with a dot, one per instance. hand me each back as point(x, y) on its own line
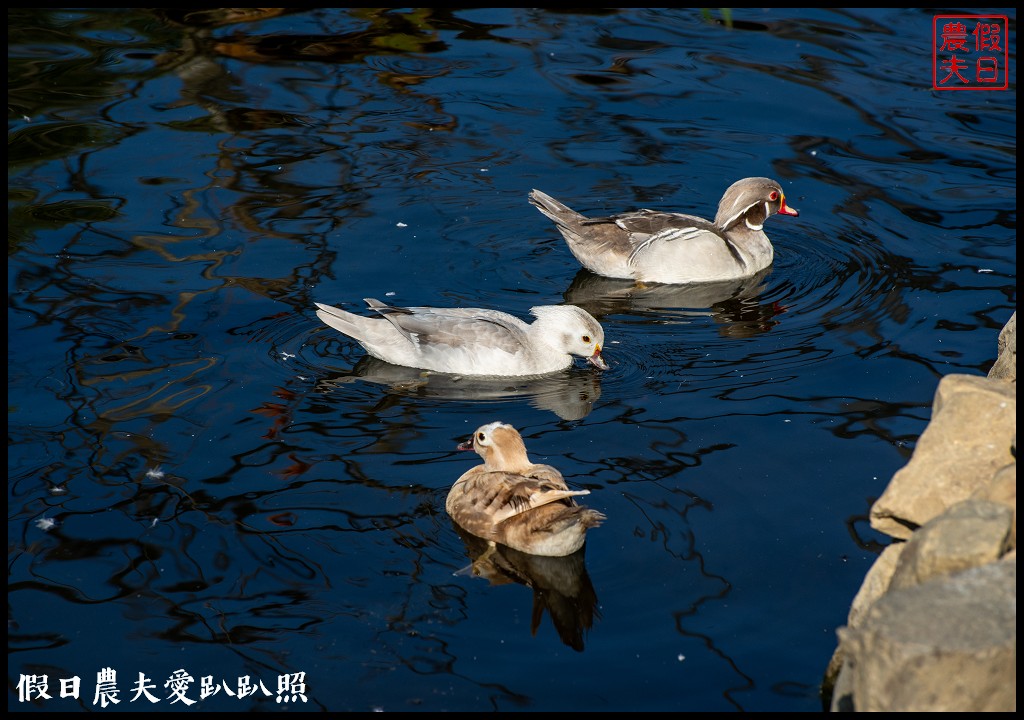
point(643, 225)
point(648, 228)
point(455, 327)
point(526, 494)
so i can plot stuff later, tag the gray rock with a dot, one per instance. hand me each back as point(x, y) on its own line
point(1003, 489)
point(875, 584)
point(946, 645)
point(934, 625)
point(969, 534)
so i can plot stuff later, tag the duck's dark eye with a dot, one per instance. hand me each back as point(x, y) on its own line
point(481, 437)
point(586, 338)
point(773, 196)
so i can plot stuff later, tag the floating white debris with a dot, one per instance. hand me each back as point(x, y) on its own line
point(389, 294)
point(483, 169)
point(45, 524)
point(286, 355)
point(59, 490)
point(985, 270)
point(155, 473)
point(401, 224)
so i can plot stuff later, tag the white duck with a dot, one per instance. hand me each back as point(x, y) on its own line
point(511, 501)
point(667, 247)
point(473, 341)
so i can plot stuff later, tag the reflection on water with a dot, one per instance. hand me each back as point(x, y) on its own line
point(226, 495)
point(570, 394)
point(561, 585)
point(732, 304)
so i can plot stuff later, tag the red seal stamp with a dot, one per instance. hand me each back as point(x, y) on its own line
point(970, 52)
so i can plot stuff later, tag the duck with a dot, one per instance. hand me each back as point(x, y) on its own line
point(473, 341)
point(513, 502)
point(673, 248)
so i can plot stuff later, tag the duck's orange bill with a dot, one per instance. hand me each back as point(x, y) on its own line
point(785, 209)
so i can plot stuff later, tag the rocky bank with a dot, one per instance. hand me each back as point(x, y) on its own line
point(934, 625)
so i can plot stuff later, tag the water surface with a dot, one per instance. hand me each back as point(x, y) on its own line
point(203, 477)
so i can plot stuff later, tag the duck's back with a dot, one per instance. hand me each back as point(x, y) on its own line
point(534, 514)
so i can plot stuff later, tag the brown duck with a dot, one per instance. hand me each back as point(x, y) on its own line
point(511, 501)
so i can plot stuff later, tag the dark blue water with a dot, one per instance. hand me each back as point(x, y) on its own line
point(236, 492)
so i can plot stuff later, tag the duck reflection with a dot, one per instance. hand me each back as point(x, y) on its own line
point(570, 394)
point(561, 585)
point(733, 304)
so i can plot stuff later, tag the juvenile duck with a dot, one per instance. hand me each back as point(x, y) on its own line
point(511, 501)
point(668, 247)
point(473, 341)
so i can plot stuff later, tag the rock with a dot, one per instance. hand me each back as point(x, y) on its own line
point(1003, 489)
point(969, 438)
point(971, 533)
point(1005, 367)
point(875, 584)
point(946, 645)
point(934, 625)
